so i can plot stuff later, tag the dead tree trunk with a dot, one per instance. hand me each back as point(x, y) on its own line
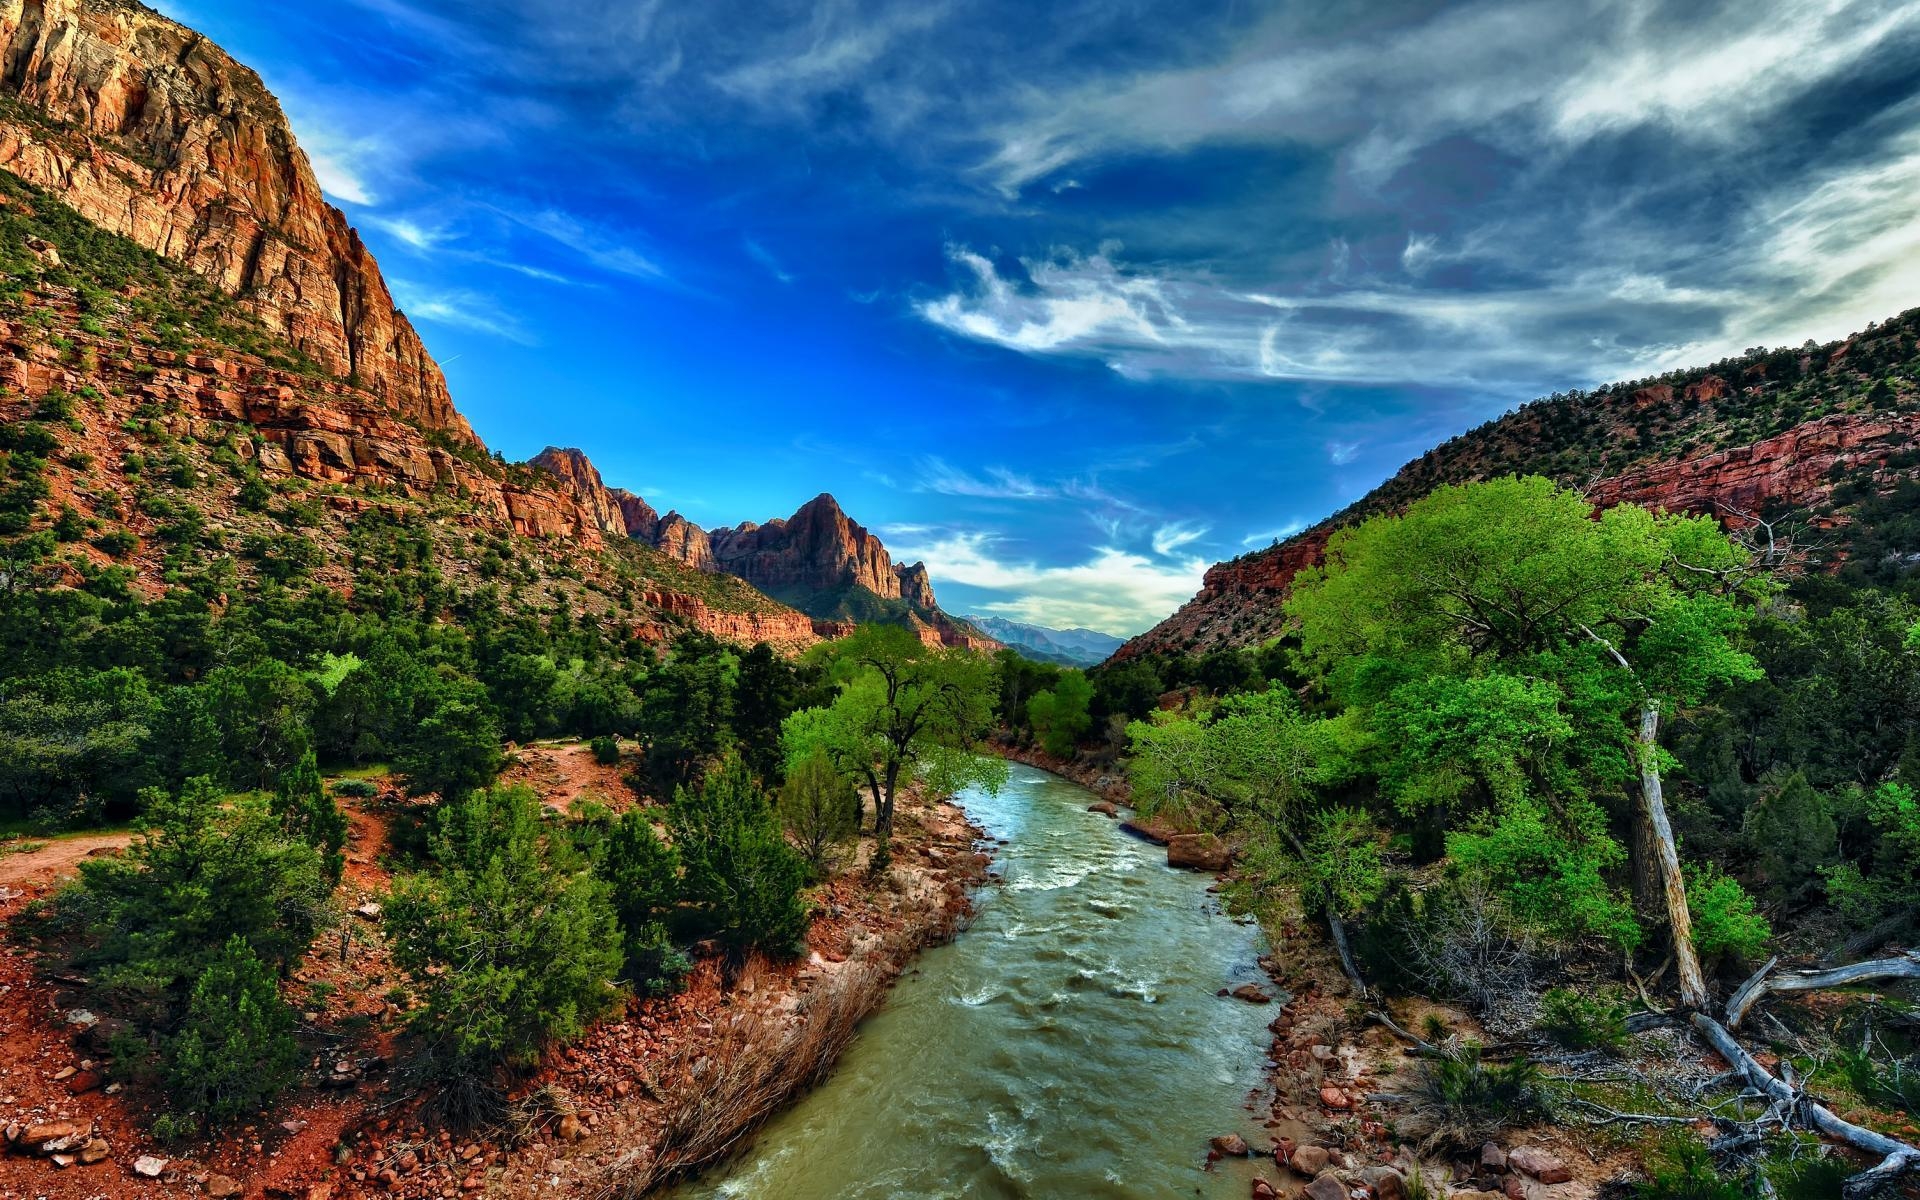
point(1693, 983)
point(1896, 1158)
point(1762, 982)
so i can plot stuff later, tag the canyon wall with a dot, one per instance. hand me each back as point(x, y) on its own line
point(153, 132)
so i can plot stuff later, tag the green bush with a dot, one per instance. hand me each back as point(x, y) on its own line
point(1584, 1022)
point(1682, 1168)
point(606, 750)
point(358, 789)
point(1725, 920)
point(741, 876)
point(235, 1050)
point(820, 810)
point(510, 945)
point(1462, 1101)
point(207, 870)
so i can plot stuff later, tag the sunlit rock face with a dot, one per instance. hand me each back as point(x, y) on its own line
point(155, 133)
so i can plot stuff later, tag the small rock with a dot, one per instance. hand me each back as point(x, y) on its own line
point(96, 1150)
point(1538, 1163)
point(1262, 1190)
point(369, 911)
point(149, 1166)
point(570, 1129)
point(1327, 1186)
point(223, 1187)
point(46, 1132)
point(1251, 993)
point(1311, 1160)
point(1333, 1097)
point(65, 1073)
point(1232, 1145)
point(81, 1082)
point(294, 1126)
point(1492, 1157)
point(1513, 1188)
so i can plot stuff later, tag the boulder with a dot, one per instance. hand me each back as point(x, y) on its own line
point(1105, 808)
point(1231, 1145)
point(1311, 1160)
point(1333, 1097)
point(1327, 1186)
point(148, 1166)
point(1262, 1190)
point(1387, 1183)
point(223, 1187)
point(1492, 1157)
point(96, 1150)
point(1198, 852)
point(1251, 993)
point(1539, 1163)
point(48, 1137)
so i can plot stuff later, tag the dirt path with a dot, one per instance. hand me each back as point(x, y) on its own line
point(55, 856)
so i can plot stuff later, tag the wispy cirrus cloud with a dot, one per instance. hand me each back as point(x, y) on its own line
point(473, 311)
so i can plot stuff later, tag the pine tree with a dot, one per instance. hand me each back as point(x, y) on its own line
point(307, 813)
point(235, 1049)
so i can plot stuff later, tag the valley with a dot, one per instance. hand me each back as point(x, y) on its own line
point(381, 816)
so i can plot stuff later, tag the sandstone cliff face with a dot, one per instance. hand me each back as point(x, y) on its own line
point(581, 479)
point(915, 587)
point(153, 132)
point(817, 549)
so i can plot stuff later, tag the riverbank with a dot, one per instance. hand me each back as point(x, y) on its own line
point(588, 1122)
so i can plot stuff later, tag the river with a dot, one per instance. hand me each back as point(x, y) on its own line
point(1069, 1044)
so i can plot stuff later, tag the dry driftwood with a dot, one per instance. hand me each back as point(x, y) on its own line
point(1896, 1157)
point(1763, 982)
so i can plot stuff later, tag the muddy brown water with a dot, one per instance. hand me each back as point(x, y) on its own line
point(1068, 1044)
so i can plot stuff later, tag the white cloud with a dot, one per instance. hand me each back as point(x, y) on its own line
point(998, 483)
point(765, 258)
point(1171, 537)
point(1113, 589)
point(421, 237)
point(460, 309)
point(601, 247)
point(1342, 453)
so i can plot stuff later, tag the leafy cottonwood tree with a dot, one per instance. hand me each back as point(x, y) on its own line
point(1061, 714)
point(903, 708)
point(1630, 614)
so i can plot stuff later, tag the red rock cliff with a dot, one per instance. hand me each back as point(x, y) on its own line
point(817, 549)
point(154, 132)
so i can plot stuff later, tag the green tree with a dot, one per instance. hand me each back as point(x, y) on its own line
point(1631, 614)
point(643, 876)
point(817, 807)
point(903, 708)
point(511, 944)
point(1130, 689)
point(205, 870)
point(1793, 836)
point(686, 715)
point(1060, 715)
point(234, 1051)
point(309, 815)
point(456, 750)
point(740, 874)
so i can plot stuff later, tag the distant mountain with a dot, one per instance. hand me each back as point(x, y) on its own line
point(819, 560)
point(1068, 647)
point(1811, 429)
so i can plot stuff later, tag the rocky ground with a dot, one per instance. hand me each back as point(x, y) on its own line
point(589, 1114)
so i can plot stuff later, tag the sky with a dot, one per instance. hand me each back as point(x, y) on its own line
point(1073, 299)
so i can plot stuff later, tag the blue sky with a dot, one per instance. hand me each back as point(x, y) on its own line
point(1073, 299)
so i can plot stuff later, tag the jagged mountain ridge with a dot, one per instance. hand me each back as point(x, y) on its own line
point(820, 560)
point(1766, 431)
point(1066, 647)
point(153, 133)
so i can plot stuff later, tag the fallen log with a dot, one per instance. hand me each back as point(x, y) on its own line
point(1896, 1157)
point(1763, 982)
